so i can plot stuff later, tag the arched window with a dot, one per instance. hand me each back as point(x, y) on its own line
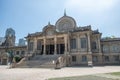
point(39, 45)
point(22, 52)
point(83, 42)
point(73, 43)
point(94, 45)
point(105, 48)
point(30, 46)
point(84, 58)
point(95, 59)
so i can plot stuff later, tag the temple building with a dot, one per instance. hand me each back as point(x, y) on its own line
point(78, 46)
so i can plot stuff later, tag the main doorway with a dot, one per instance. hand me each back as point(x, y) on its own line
point(60, 48)
point(50, 49)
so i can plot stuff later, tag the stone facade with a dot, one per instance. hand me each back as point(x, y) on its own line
point(83, 45)
point(17, 51)
point(78, 45)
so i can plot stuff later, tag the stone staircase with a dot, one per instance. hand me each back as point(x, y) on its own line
point(40, 61)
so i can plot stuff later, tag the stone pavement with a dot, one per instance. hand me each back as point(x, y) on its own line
point(42, 74)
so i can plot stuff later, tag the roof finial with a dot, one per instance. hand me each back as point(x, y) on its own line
point(64, 12)
point(49, 23)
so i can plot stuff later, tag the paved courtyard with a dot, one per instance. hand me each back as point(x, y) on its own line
point(44, 74)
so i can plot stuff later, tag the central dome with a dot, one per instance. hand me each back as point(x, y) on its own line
point(65, 23)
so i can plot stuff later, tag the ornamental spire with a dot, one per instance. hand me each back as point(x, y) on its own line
point(64, 12)
point(49, 23)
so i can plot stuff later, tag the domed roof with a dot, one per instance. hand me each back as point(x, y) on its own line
point(65, 23)
point(48, 26)
point(49, 29)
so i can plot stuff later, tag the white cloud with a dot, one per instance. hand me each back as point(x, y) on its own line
point(90, 5)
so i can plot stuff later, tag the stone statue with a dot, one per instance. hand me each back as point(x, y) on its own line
point(58, 63)
point(10, 56)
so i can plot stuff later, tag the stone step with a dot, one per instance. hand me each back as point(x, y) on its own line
point(40, 61)
point(39, 57)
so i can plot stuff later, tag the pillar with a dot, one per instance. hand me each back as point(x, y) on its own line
point(99, 46)
point(89, 43)
point(35, 45)
point(100, 59)
point(89, 55)
point(89, 59)
point(68, 42)
point(78, 42)
point(65, 40)
point(27, 46)
point(55, 45)
point(44, 52)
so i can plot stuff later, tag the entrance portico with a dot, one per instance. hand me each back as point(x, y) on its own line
point(51, 45)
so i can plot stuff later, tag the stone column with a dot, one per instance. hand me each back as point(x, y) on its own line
point(100, 59)
point(55, 45)
point(27, 47)
point(35, 46)
point(89, 43)
point(68, 42)
point(44, 40)
point(99, 46)
point(78, 41)
point(35, 43)
point(65, 40)
point(89, 56)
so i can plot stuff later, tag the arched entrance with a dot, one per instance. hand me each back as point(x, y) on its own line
point(4, 59)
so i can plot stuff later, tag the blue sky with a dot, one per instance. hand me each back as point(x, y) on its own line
point(29, 16)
